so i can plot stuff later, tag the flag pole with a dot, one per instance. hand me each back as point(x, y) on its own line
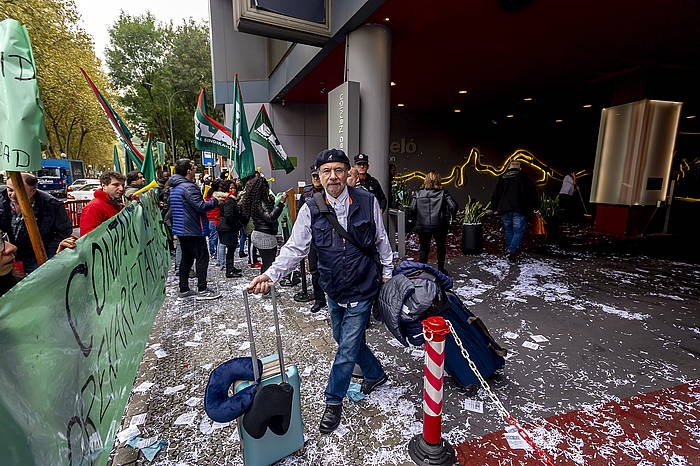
point(233, 121)
point(28, 216)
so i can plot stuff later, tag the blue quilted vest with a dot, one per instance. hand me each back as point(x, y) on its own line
point(347, 274)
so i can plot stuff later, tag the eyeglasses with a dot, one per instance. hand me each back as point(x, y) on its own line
point(3, 239)
point(339, 171)
point(141, 176)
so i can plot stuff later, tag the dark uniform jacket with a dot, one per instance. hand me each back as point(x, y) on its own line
point(372, 185)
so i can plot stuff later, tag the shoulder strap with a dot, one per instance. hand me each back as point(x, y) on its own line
point(330, 216)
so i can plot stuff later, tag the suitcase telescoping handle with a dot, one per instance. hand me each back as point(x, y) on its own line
point(251, 338)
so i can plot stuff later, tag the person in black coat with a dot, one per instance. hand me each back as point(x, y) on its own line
point(432, 209)
point(514, 199)
point(259, 204)
point(229, 226)
point(51, 218)
point(368, 182)
point(307, 193)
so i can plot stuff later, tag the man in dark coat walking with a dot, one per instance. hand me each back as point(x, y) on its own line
point(515, 198)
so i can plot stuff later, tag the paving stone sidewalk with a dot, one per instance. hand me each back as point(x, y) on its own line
point(616, 327)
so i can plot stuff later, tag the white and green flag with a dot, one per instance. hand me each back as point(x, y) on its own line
point(263, 134)
point(210, 136)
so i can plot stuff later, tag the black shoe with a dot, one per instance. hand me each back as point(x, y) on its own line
point(317, 306)
point(242, 254)
point(236, 270)
point(330, 419)
point(234, 274)
point(369, 386)
point(512, 257)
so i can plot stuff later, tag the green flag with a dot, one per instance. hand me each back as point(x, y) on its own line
point(148, 168)
point(241, 149)
point(128, 162)
point(117, 164)
point(262, 133)
point(161, 152)
point(209, 135)
point(22, 129)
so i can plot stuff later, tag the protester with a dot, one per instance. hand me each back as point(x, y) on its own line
point(228, 227)
point(51, 219)
point(242, 232)
point(259, 205)
point(431, 210)
point(134, 181)
point(106, 204)
point(567, 204)
point(306, 194)
point(367, 181)
point(190, 225)
point(213, 216)
point(8, 277)
point(348, 273)
point(514, 199)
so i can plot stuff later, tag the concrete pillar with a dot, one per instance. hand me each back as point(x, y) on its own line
point(368, 59)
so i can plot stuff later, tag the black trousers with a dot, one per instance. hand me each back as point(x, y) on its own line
point(194, 248)
point(424, 240)
point(319, 295)
point(230, 240)
point(268, 257)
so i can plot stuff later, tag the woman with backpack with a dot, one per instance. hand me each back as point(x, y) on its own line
point(431, 210)
point(228, 227)
point(259, 204)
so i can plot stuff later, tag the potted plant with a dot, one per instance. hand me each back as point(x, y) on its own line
point(549, 209)
point(472, 230)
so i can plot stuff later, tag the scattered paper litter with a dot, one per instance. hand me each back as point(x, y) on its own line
point(198, 336)
point(510, 335)
point(244, 346)
point(531, 345)
point(354, 392)
point(474, 406)
point(417, 353)
point(194, 401)
point(126, 434)
point(161, 353)
point(306, 372)
point(231, 332)
point(155, 346)
point(186, 419)
point(143, 387)
point(221, 326)
point(138, 419)
point(148, 446)
point(539, 338)
point(171, 390)
point(191, 343)
point(515, 442)
point(242, 325)
point(207, 366)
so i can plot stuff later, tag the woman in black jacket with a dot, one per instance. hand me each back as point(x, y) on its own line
point(229, 226)
point(432, 208)
point(259, 204)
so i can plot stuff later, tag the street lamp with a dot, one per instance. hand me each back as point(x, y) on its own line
point(170, 115)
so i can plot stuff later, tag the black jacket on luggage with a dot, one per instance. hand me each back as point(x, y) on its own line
point(515, 192)
point(431, 209)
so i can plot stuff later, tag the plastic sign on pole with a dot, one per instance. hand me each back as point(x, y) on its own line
point(21, 113)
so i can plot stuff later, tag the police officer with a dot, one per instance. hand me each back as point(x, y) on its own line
point(367, 181)
point(348, 273)
point(307, 193)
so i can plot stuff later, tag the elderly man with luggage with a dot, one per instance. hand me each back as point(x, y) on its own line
point(346, 229)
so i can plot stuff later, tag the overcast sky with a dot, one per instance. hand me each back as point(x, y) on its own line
point(98, 16)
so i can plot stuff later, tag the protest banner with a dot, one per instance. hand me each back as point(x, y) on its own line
point(72, 335)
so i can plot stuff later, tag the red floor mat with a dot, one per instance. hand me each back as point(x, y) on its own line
point(657, 428)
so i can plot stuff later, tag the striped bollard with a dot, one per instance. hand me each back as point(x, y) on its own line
point(429, 448)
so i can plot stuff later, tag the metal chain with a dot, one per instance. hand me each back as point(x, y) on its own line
point(499, 406)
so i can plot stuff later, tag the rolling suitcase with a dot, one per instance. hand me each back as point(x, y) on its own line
point(264, 443)
point(482, 348)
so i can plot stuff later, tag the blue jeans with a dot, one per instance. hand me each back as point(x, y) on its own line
point(514, 224)
point(221, 255)
point(213, 238)
point(349, 331)
point(241, 241)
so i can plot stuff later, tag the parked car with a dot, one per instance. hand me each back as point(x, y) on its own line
point(85, 193)
point(77, 184)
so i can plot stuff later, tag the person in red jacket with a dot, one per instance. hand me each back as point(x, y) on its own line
point(106, 204)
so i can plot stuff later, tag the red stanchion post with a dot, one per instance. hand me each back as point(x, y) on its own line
point(429, 448)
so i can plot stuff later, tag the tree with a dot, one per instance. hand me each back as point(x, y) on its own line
point(74, 121)
point(149, 61)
